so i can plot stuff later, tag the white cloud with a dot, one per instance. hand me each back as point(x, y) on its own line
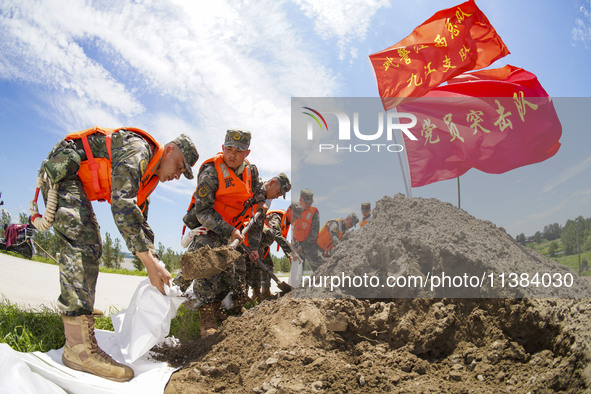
point(567, 174)
point(193, 66)
point(581, 31)
point(346, 20)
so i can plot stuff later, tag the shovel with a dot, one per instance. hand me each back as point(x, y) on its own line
point(284, 287)
point(206, 261)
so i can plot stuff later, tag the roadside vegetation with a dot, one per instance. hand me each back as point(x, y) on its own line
point(569, 244)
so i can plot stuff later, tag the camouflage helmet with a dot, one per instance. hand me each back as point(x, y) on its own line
point(238, 138)
point(190, 154)
point(285, 184)
point(354, 219)
point(307, 195)
point(366, 206)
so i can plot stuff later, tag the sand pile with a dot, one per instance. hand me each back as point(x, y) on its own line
point(376, 344)
point(446, 250)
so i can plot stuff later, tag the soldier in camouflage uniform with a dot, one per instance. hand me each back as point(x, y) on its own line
point(333, 232)
point(222, 228)
point(305, 231)
point(365, 213)
point(275, 230)
point(78, 231)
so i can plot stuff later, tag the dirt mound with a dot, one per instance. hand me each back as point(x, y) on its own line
point(434, 249)
point(398, 338)
point(428, 345)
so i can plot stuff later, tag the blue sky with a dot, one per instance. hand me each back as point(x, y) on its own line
point(200, 67)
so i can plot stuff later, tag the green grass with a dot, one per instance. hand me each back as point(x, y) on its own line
point(42, 329)
point(572, 261)
point(35, 329)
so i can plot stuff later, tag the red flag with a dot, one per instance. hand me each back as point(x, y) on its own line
point(491, 120)
point(451, 42)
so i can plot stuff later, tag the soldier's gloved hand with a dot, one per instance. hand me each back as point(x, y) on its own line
point(186, 241)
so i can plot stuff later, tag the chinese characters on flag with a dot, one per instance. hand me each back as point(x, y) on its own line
point(492, 120)
point(451, 42)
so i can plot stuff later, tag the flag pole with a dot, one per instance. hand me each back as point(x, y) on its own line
point(459, 193)
point(407, 188)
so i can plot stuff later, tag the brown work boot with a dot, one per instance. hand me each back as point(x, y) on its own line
point(82, 353)
point(209, 325)
point(256, 294)
point(219, 314)
point(97, 312)
point(266, 293)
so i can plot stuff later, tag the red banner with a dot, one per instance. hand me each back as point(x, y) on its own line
point(491, 120)
point(451, 42)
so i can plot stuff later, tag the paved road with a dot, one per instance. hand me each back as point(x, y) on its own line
point(31, 284)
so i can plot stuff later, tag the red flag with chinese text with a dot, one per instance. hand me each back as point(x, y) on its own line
point(491, 120)
point(451, 42)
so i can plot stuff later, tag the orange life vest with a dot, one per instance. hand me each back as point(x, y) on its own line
point(232, 192)
point(365, 221)
point(95, 173)
point(303, 226)
point(284, 224)
point(324, 239)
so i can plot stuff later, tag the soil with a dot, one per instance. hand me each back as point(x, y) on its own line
point(206, 261)
point(404, 339)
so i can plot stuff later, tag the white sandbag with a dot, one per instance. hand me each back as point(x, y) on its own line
point(296, 273)
point(146, 321)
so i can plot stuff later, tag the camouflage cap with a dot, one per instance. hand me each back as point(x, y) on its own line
point(238, 138)
point(366, 206)
point(284, 182)
point(354, 218)
point(307, 195)
point(190, 153)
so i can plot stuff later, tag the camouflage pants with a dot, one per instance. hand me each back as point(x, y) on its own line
point(217, 287)
point(253, 274)
point(80, 246)
point(313, 256)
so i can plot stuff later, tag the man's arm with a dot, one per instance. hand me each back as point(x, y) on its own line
point(274, 223)
point(130, 157)
point(130, 154)
point(203, 211)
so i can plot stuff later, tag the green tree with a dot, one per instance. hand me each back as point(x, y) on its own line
point(4, 220)
point(170, 258)
point(281, 264)
point(538, 237)
point(137, 263)
point(552, 231)
point(23, 218)
point(521, 239)
point(574, 235)
point(552, 249)
point(49, 241)
point(118, 253)
point(112, 255)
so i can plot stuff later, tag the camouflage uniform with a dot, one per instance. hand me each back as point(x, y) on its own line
point(365, 208)
point(271, 233)
point(75, 222)
point(338, 226)
point(310, 251)
point(202, 213)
